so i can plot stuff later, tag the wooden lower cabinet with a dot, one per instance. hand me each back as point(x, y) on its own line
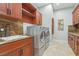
point(27, 50)
point(38, 19)
point(22, 47)
point(71, 41)
point(74, 43)
point(12, 53)
point(78, 47)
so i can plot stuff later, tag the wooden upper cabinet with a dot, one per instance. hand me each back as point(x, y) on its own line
point(17, 10)
point(14, 10)
point(25, 11)
point(73, 18)
point(28, 12)
point(11, 10)
point(29, 7)
point(3, 8)
point(76, 15)
point(38, 19)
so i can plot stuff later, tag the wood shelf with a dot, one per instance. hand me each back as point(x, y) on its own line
point(29, 7)
point(8, 17)
point(27, 13)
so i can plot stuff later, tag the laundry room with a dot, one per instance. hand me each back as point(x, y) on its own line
point(39, 29)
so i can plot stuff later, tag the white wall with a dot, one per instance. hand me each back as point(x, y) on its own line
point(66, 15)
point(25, 27)
point(47, 14)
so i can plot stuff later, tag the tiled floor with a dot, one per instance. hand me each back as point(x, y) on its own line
point(58, 48)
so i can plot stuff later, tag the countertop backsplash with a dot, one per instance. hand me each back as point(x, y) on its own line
point(73, 28)
point(9, 28)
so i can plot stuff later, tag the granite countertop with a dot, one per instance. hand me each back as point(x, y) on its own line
point(12, 38)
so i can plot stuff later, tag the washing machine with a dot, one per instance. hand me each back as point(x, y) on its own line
point(39, 42)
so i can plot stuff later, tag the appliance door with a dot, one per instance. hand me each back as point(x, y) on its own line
point(47, 38)
point(42, 40)
point(47, 35)
point(42, 43)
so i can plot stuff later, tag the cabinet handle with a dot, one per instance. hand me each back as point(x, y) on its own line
point(71, 38)
point(8, 11)
point(21, 52)
point(9, 8)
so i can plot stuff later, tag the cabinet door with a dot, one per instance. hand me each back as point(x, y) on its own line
point(75, 45)
point(14, 10)
point(12, 53)
point(78, 14)
point(17, 10)
point(69, 39)
point(73, 18)
point(78, 47)
point(38, 18)
point(28, 50)
point(3, 8)
point(71, 42)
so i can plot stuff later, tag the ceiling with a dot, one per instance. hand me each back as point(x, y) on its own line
point(63, 6)
point(39, 5)
point(55, 5)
